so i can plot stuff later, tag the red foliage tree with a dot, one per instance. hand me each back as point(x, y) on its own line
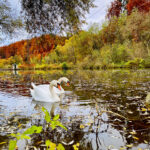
point(141, 5)
point(119, 6)
point(115, 9)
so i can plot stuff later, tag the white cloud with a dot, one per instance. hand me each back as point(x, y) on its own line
point(97, 15)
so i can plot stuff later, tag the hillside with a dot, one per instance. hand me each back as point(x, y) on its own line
point(28, 48)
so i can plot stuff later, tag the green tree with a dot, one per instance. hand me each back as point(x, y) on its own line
point(8, 23)
point(54, 16)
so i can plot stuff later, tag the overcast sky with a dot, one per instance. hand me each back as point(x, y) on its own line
point(96, 15)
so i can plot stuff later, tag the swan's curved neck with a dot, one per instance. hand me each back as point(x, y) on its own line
point(60, 80)
point(53, 92)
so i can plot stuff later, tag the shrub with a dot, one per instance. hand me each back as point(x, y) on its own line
point(119, 53)
point(64, 66)
point(26, 66)
point(16, 59)
point(136, 63)
point(147, 62)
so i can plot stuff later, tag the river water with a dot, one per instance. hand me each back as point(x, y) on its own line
point(102, 110)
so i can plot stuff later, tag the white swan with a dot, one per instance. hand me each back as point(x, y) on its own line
point(60, 91)
point(45, 95)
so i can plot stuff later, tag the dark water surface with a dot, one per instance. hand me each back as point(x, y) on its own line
point(102, 109)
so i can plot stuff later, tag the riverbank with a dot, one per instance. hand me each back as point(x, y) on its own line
point(137, 64)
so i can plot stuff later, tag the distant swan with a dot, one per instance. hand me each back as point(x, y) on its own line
point(62, 91)
point(45, 95)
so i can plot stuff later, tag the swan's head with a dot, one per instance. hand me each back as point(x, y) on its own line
point(64, 79)
point(56, 84)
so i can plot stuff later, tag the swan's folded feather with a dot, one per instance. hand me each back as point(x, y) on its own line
point(42, 93)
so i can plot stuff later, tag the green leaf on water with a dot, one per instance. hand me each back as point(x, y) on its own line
point(47, 115)
point(33, 129)
point(122, 148)
point(25, 137)
point(136, 138)
point(50, 145)
point(60, 125)
point(82, 126)
point(76, 146)
point(12, 144)
point(17, 136)
point(47, 143)
point(130, 145)
point(146, 142)
point(56, 117)
point(143, 109)
point(54, 122)
point(60, 147)
point(14, 135)
point(2, 143)
point(53, 125)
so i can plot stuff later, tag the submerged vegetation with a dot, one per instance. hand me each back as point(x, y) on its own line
point(52, 123)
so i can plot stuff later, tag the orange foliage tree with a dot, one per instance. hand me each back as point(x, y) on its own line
point(37, 46)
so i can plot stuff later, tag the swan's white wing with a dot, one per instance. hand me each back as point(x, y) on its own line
point(43, 86)
point(56, 90)
point(41, 93)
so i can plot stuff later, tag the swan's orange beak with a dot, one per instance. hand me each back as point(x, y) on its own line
point(58, 86)
point(68, 83)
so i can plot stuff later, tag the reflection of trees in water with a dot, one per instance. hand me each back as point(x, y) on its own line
point(122, 92)
point(126, 127)
point(75, 134)
point(20, 83)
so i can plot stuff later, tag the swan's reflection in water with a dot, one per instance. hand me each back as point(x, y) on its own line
point(147, 102)
point(48, 105)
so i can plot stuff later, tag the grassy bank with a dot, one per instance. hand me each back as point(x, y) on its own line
point(137, 63)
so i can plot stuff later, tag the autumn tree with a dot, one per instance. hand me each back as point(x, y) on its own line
point(116, 8)
point(54, 16)
point(141, 5)
point(40, 46)
point(119, 6)
point(44, 44)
